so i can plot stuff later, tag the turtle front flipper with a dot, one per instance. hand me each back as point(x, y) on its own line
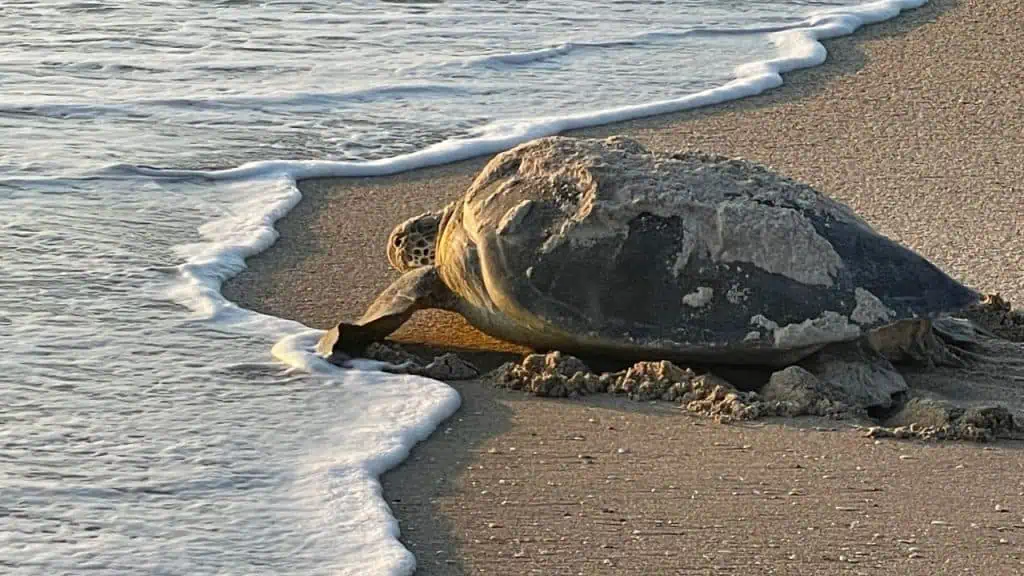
point(415, 290)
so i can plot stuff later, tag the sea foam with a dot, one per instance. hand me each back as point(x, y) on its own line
point(379, 417)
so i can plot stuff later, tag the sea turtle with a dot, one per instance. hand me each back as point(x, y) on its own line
point(602, 247)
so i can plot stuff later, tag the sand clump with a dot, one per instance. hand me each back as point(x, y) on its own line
point(790, 392)
point(391, 353)
point(998, 316)
point(448, 366)
point(927, 419)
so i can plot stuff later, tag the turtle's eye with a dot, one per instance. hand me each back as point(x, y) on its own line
point(397, 241)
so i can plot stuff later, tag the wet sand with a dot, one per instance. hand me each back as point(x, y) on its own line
point(918, 124)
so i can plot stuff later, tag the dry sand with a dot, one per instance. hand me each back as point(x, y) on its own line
point(918, 123)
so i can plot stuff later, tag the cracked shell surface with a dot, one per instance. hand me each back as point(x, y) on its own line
point(589, 245)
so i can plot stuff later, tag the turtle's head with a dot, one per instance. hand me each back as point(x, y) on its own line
point(413, 243)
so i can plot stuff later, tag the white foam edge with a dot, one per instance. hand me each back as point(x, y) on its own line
point(381, 416)
point(801, 48)
point(392, 414)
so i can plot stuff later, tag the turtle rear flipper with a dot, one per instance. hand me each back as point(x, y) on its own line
point(415, 290)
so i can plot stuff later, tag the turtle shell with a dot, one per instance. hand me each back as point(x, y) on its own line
point(603, 245)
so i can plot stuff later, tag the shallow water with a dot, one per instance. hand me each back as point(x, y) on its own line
point(215, 84)
point(147, 428)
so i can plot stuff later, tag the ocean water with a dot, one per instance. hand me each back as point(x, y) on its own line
point(149, 426)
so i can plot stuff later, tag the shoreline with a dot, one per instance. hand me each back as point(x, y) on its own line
point(917, 124)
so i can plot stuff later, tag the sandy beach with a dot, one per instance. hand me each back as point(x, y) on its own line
point(918, 124)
